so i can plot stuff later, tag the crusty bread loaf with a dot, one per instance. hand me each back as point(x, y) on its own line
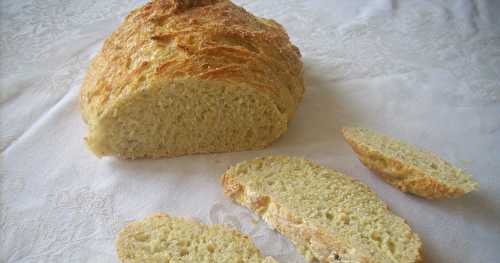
point(328, 216)
point(407, 167)
point(183, 77)
point(161, 238)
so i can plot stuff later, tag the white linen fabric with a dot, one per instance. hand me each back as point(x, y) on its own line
point(424, 71)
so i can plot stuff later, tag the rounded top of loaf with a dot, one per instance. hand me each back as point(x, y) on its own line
point(181, 5)
point(206, 40)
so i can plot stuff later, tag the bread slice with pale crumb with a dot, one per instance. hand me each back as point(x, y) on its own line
point(407, 167)
point(162, 238)
point(330, 217)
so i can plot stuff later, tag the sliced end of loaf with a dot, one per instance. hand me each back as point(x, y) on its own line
point(161, 238)
point(244, 75)
point(187, 117)
point(328, 216)
point(408, 167)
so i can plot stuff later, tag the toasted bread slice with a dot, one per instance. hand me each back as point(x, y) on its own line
point(329, 216)
point(407, 167)
point(161, 238)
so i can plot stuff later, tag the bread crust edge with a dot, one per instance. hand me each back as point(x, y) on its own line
point(404, 177)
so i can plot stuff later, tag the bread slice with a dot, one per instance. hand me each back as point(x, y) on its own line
point(185, 77)
point(407, 167)
point(327, 215)
point(161, 238)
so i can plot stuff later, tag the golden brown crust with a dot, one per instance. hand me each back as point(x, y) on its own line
point(197, 39)
point(403, 176)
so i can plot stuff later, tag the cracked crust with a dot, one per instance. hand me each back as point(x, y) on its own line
point(183, 42)
point(403, 175)
point(202, 39)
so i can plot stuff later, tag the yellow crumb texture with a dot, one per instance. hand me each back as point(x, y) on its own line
point(184, 77)
point(407, 167)
point(164, 239)
point(329, 216)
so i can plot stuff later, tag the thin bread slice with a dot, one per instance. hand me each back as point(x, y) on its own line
point(407, 167)
point(330, 217)
point(162, 238)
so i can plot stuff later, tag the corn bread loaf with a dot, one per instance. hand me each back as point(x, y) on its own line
point(327, 215)
point(407, 167)
point(161, 238)
point(183, 77)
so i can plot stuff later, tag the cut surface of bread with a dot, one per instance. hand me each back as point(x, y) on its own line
point(162, 238)
point(407, 167)
point(329, 216)
point(184, 77)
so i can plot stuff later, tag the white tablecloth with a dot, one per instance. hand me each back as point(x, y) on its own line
point(424, 71)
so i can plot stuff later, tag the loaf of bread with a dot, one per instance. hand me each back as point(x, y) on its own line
point(407, 167)
point(190, 76)
point(161, 238)
point(327, 215)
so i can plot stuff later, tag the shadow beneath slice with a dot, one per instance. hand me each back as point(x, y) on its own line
point(476, 208)
point(320, 116)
